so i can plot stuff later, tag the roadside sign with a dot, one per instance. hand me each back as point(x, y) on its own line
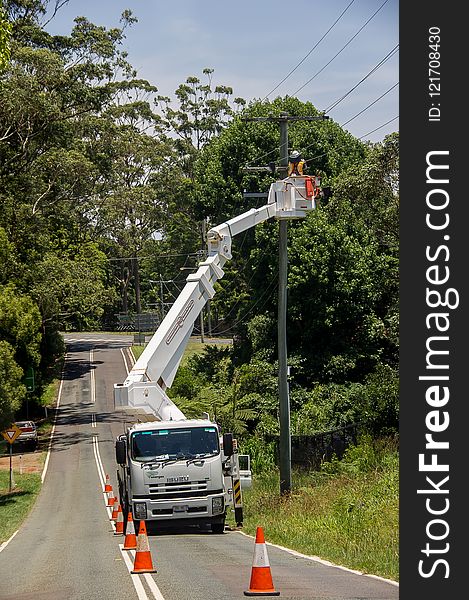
point(11, 433)
point(29, 379)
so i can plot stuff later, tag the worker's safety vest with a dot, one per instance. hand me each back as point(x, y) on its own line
point(296, 168)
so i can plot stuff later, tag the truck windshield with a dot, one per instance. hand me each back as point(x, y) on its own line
point(175, 444)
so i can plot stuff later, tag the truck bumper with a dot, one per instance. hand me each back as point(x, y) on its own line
point(198, 510)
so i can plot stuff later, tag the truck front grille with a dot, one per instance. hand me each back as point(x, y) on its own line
point(162, 512)
point(165, 491)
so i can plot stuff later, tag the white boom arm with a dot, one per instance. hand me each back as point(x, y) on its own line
point(156, 368)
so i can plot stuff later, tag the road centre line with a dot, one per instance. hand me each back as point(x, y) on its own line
point(139, 588)
point(101, 478)
point(155, 590)
point(92, 379)
point(93, 419)
point(129, 557)
point(141, 593)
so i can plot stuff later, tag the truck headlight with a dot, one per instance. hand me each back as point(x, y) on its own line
point(217, 505)
point(140, 510)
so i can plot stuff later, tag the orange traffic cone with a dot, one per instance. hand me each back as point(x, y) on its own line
point(111, 499)
point(143, 562)
point(115, 510)
point(130, 541)
point(107, 486)
point(119, 521)
point(261, 579)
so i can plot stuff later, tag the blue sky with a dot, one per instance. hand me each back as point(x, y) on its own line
point(252, 45)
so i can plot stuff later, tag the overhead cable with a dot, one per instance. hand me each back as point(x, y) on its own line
point(380, 127)
point(370, 105)
point(341, 50)
point(312, 49)
point(373, 70)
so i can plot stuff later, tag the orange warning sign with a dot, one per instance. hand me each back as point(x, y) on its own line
point(11, 433)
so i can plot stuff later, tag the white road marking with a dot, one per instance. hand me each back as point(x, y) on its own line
point(99, 466)
point(5, 544)
point(139, 588)
point(46, 463)
point(155, 590)
point(125, 361)
point(141, 593)
point(125, 553)
point(94, 340)
point(92, 379)
point(129, 557)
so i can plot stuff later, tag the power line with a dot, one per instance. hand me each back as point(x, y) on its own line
point(142, 257)
point(312, 49)
point(341, 50)
point(354, 117)
point(380, 127)
point(360, 138)
point(243, 318)
point(373, 70)
point(267, 154)
point(371, 104)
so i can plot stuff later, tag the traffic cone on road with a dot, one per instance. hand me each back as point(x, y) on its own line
point(111, 499)
point(261, 583)
point(119, 521)
point(115, 510)
point(143, 562)
point(130, 540)
point(107, 485)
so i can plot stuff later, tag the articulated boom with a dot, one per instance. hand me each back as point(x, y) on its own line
point(156, 368)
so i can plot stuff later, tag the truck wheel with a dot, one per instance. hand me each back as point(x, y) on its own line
point(218, 527)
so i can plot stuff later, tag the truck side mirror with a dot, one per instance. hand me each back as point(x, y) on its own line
point(121, 452)
point(227, 444)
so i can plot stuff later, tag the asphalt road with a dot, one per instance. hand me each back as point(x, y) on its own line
point(67, 548)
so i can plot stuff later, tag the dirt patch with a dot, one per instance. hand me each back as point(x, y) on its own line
point(23, 462)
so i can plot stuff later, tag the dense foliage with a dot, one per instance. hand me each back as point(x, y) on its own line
point(106, 190)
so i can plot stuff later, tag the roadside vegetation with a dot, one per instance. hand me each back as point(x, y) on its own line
point(346, 513)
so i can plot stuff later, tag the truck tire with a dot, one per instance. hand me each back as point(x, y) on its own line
point(218, 527)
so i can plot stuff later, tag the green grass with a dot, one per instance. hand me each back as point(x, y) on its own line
point(15, 505)
point(50, 393)
point(348, 519)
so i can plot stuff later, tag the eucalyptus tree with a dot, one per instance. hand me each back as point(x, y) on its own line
point(5, 32)
point(77, 161)
point(203, 110)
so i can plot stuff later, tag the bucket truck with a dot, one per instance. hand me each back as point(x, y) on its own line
point(173, 469)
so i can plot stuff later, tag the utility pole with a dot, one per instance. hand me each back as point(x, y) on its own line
point(284, 396)
point(203, 245)
point(161, 298)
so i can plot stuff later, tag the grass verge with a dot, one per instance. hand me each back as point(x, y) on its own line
point(16, 505)
point(349, 518)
